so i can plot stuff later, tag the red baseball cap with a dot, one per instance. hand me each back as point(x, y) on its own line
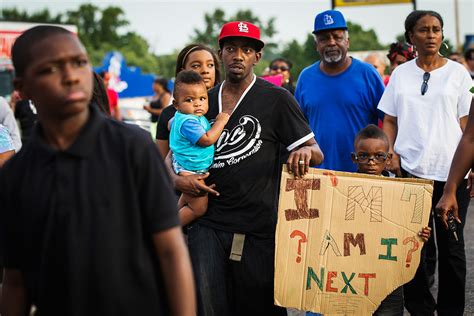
point(241, 29)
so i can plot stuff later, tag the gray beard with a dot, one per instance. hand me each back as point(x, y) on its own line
point(332, 59)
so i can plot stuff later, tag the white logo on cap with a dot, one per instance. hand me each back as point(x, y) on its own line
point(243, 28)
point(328, 19)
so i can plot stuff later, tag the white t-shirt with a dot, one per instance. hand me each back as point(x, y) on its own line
point(428, 125)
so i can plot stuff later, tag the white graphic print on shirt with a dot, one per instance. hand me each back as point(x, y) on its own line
point(239, 143)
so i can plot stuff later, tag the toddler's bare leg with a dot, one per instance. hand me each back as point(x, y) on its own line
point(191, 207)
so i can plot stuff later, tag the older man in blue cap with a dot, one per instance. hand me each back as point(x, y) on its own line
point(338, 94)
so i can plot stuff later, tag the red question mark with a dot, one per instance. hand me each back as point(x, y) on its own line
point(302, 240)
point(415, 247)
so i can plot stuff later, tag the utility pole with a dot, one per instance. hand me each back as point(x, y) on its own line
point(456, 21)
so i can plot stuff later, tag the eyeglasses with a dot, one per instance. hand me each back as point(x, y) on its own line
point(424, 85)
point(365, 158)
point(282, 68)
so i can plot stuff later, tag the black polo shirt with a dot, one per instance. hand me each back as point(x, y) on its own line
point(78, 223)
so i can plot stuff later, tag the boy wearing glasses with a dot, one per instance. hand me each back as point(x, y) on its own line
point(371, 155)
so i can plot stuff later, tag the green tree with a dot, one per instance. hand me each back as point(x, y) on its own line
point(95, 26)
point(305, 54)
point(136, 51)
point(113, 19)
point(300, 55)
point(100, 30)
point(167, 65)
point(12, 14)
point(361, 40)
point(214, 21)
point(42, 16)
point(86, 18)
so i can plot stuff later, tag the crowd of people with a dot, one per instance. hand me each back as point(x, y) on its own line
point(91, 223)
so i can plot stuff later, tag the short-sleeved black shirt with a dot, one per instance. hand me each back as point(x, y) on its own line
point(156, 104)
point(78, 223)
point(162, 131)
point(27, 118)
point(247, 164)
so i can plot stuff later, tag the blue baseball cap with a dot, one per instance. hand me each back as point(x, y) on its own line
point(329, 20)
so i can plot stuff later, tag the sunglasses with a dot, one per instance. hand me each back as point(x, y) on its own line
point(282, 68)
point(424, 85)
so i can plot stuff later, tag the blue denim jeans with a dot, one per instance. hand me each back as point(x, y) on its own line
point(392, 305)
point(228, 287)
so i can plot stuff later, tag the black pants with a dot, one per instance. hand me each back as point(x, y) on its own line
point(451, 266)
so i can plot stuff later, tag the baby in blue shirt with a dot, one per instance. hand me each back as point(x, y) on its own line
point(192, 138)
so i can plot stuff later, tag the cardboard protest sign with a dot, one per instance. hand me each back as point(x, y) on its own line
point(344, 241)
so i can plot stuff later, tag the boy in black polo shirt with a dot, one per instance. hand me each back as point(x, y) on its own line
point(87, 214)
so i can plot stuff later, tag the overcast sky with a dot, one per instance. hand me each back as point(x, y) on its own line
point(168, 25)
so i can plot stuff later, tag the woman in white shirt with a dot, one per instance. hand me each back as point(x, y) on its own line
point(426, 104)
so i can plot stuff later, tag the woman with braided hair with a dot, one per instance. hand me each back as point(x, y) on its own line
point(398, 54)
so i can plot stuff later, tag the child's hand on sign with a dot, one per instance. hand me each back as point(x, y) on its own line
point(425, 233)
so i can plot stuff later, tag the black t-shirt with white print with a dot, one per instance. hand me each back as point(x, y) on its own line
point(247, 168)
